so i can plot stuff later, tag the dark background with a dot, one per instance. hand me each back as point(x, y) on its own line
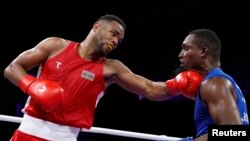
point(155, 31)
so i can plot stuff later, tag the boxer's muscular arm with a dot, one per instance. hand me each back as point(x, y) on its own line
point(46, 93)
point(32, 58)
point(219, 96)
point(185, 83)
point(116, 72)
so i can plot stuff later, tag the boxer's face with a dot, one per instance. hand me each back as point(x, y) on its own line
point(190, 55)
point(108, 36)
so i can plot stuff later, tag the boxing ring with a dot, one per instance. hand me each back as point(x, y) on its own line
point(107, 131)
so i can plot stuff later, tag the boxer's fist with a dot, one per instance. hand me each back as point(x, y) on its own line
point(185, 83)
point(47, 93)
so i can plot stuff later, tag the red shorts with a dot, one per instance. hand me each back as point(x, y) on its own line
point(20, 136)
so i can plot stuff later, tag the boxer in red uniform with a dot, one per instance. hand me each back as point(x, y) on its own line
point(74, 76)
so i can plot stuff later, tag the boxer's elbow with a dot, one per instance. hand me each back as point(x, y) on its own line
point(8, 71)
point(11, 73)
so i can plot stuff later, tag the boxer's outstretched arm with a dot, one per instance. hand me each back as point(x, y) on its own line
point(120, 74)
point(140, 85)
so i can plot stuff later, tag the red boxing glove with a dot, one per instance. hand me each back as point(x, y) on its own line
point(185, 83)
point(47, 93)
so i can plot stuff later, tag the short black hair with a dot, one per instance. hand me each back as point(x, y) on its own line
point(208, 38)
point(110, 17)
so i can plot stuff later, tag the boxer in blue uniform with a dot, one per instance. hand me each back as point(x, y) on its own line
point(219, 101)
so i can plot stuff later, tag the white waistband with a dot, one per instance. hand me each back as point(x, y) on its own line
point(48, 130)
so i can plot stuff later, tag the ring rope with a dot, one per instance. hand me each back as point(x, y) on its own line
point(106, 131)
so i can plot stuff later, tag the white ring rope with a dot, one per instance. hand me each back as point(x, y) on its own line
point(106, 131)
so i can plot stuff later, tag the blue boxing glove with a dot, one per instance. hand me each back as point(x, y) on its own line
point(187, 139)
